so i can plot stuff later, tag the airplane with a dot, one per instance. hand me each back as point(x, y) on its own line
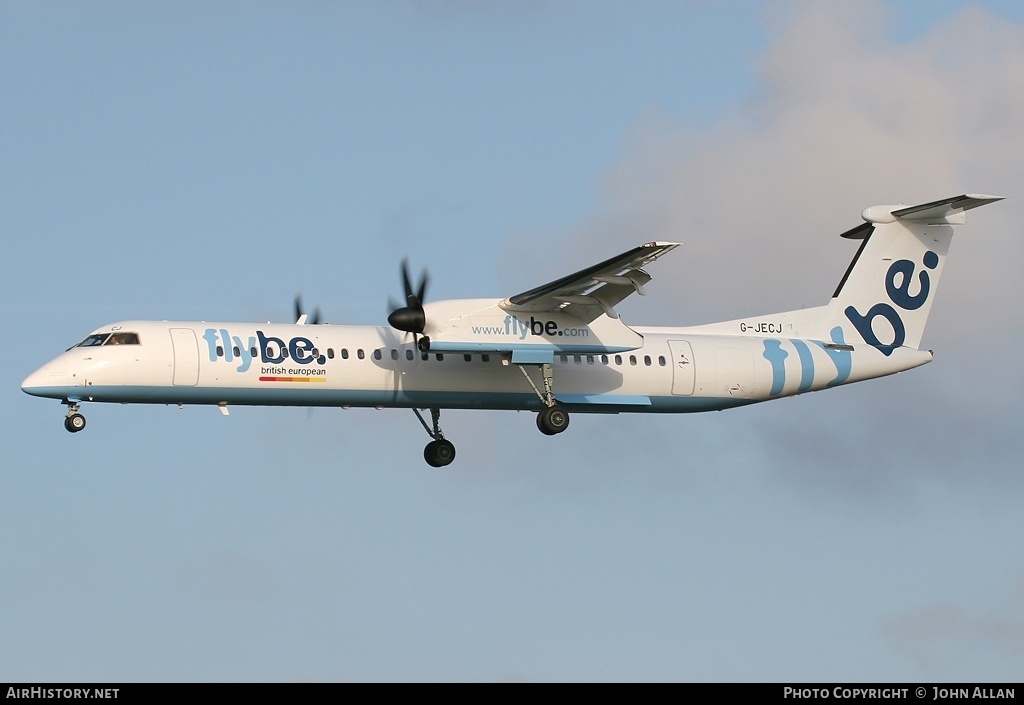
point(556, 349)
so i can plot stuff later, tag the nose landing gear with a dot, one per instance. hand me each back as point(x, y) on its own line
point(74, 421)
point(440, 451)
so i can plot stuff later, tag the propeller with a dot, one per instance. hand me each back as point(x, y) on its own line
point(411, 317)
point(301, 317)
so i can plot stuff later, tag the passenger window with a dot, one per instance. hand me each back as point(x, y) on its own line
point(577, 359)
point(647, 360)
point(618, 359)
point(360, 354)
point(344, 353)
point(440, 357)
point(220, 351)
point(564, 358)
point(485, 357)
point(394, 354)
point(377, 354)
point(632, 359)
point(424, 356)
point(236, 351)
point(253, 351)
point(661, 360)
point(604, 359)
point(330, 353)
point(467, 357)
point(408, 354)
point(590, 359)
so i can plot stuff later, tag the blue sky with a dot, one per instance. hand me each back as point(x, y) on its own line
point(208, 161)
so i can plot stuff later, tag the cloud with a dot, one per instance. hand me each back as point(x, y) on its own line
point(927, 632)
point(845, 117)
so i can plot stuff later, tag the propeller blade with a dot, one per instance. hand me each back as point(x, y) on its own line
point(301, 318)
point(421, 295)
point(406, 284)
point(411, 317)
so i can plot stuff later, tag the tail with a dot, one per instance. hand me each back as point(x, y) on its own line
point(886, 294)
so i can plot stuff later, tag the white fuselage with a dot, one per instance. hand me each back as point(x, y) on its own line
point(673, 370)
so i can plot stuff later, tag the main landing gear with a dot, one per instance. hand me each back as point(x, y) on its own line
point(552, 419)
point(74, 421)
point(440, 451)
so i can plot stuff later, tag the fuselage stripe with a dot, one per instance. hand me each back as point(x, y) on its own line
point(293, 379)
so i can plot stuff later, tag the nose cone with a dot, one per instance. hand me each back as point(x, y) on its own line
point(49, 380)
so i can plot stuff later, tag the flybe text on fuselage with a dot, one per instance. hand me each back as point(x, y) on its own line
point(270, 350)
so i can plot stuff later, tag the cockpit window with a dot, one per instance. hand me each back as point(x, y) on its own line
point(94, 340)
point(123, 339)
point(109, 339)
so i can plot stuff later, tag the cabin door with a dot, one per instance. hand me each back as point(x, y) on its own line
point(186, 357)
point(682, 367)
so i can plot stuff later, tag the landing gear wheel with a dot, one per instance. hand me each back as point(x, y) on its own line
point(439, 453)
point(552, 420)
point(74, 423)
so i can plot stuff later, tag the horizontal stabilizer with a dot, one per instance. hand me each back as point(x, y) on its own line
point(948, 211)
point(941, 210)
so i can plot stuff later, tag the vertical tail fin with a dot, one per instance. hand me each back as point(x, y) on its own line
point(886, 294)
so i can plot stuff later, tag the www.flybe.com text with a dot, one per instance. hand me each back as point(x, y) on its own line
point(520, 329)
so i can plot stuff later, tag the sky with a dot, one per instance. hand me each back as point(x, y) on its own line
point(209, 160)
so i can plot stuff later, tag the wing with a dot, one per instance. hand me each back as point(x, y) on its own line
point(595, 290)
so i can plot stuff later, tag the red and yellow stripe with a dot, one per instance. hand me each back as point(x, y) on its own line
point(293, 379)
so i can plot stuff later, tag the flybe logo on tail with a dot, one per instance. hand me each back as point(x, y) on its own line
point(899, 294)
point(266, 348)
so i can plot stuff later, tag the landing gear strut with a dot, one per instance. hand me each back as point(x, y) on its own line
point(74, 421)
point(552, 419)
point(440, 451)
